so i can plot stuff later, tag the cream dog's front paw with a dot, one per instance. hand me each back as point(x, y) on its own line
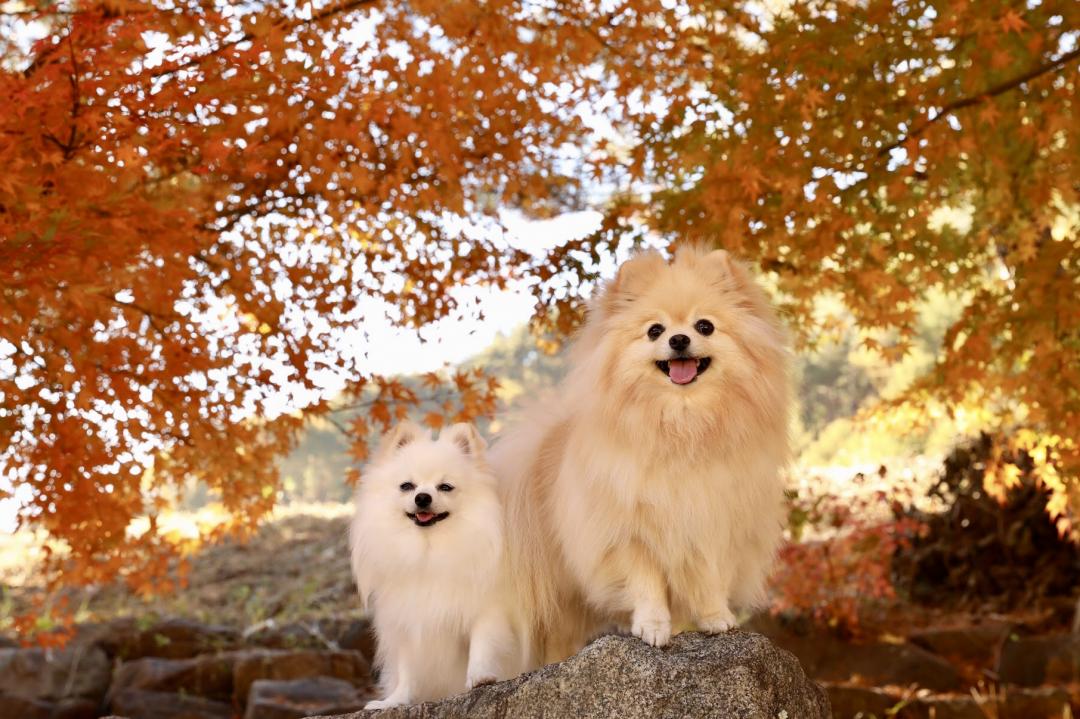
point(479, 680)
point(717, 622)
point(652, 627)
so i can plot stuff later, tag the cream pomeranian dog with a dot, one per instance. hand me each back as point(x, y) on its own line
point(428, 558)
point(645, 492)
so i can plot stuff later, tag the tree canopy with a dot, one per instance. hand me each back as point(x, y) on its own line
point(197, 196)
point(881, 149)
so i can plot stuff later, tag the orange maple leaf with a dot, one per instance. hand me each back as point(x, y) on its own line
point(1012, 21)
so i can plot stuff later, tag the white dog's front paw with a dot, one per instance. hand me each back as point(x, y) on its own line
point(480, 679)
point(717, 622)
point(652, 627)
point(382, 703)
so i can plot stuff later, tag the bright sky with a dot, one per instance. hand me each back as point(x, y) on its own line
point(385, 349)
point(452, 341)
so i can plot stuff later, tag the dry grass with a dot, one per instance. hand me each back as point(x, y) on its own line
point(295, 567)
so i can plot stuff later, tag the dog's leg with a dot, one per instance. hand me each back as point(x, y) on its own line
point(717, 621)
point(401, 692)
point(491, 642)
point(712, 609)
point(650, 618)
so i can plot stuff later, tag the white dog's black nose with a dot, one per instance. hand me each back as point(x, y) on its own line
point(423, 499)
point(679, 342)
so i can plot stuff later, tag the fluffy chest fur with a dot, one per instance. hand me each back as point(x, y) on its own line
point(672, 504)
point(444, 574)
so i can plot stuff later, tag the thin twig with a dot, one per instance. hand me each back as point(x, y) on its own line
point(994, 91)
point(325, 14)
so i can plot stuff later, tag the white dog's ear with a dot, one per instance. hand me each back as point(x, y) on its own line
point(466, 438)
point(402, 434)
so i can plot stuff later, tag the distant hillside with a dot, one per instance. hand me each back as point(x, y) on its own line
point(833, 383)
point(315, 470)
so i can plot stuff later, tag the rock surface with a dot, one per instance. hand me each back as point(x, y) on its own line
point(327, 633)
point(54, 675)
point(23, 708)
point(1031, 661)
point(854, 702)
point(52, 684)
point(828, 658)
point(296, 698)
point(976, 646)
point(269, 664)
point(228, 676)
point(210, 676)
point(169, 639)
point(731, 675)
point(140, 704)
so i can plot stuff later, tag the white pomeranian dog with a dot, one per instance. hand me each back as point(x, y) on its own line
point(428, 557)
point(646, 492)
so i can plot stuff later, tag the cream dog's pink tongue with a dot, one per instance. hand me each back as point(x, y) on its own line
point(682, 371)
point(424, 516)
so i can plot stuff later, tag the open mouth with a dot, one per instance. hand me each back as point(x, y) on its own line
point(684, 370)
point(426, 519)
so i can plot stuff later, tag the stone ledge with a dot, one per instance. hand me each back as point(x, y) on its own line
point(737, 674)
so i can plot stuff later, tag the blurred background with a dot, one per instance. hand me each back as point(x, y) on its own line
point(239, 240)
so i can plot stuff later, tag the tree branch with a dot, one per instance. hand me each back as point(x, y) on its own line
point(324, 14)
point(76, 100)
point(999, 89)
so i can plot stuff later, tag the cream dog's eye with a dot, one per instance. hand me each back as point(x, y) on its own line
point(444, 487)
point(704, 327)
point(407, 487)
point(655, 331)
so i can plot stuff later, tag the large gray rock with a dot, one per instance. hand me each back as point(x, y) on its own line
point(737, 675)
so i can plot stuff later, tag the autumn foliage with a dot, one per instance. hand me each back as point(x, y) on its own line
point(196, 198)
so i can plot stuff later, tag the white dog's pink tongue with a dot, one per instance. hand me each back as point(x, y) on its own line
point(682, 371)
point(424, 516)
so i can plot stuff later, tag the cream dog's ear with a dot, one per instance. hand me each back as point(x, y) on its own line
point(638, 272)
point(400, 435)
point(736, 277)
point(735, 272)
point(465, 437)
point(634, 277)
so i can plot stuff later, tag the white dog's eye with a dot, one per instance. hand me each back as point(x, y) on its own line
point(407, 487)
point(444, 487)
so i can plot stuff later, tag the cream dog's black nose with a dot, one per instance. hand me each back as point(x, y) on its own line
point(423, 500)
point(679, 342)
